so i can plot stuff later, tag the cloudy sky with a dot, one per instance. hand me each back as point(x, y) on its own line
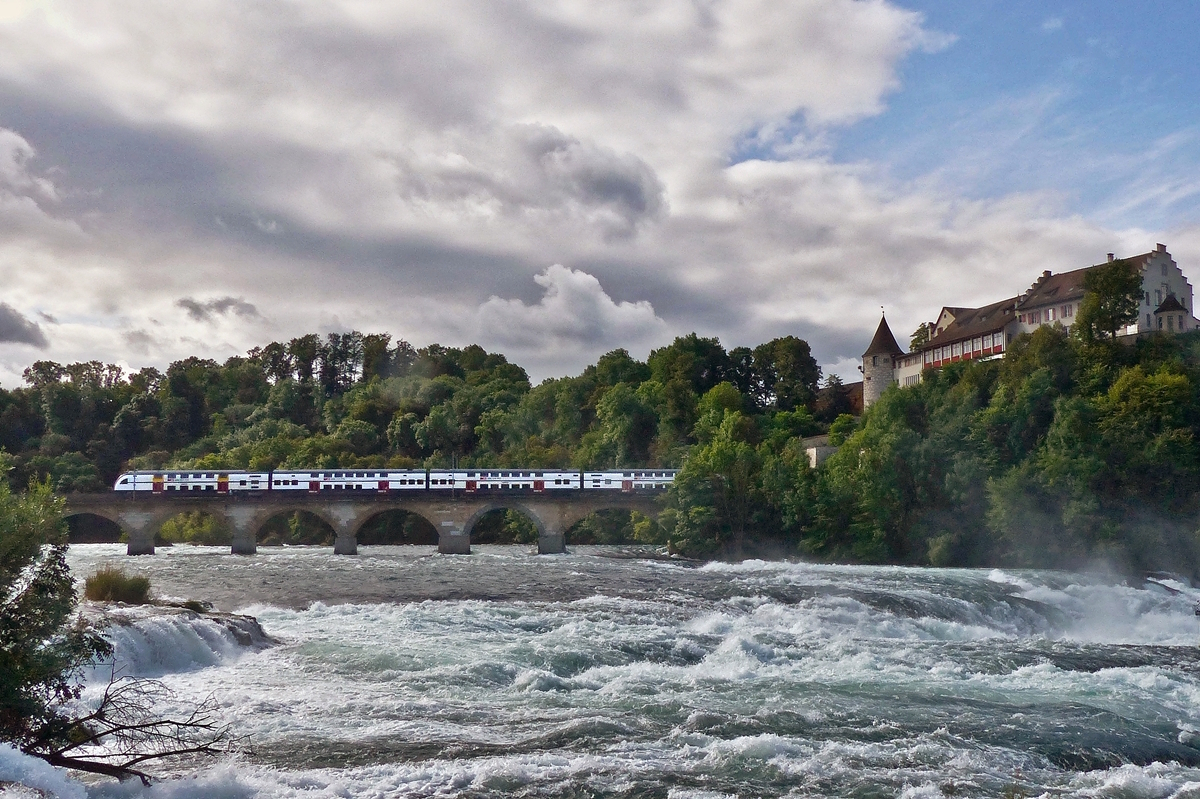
point(556, 178)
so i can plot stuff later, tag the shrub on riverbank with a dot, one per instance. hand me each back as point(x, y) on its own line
point(194, 527)
point(112, 584)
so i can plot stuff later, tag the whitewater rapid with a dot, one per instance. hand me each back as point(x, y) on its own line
point(402, 673)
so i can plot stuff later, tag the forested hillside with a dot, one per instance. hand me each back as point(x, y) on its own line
point(1065, 453)
point(361, 400)
point(1068, 452)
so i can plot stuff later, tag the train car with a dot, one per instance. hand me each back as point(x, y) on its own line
point(220, 482)
point(518, 480)
point(350, 480)
point(630, 480)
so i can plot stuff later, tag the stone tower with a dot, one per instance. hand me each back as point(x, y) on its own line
point(878, 366)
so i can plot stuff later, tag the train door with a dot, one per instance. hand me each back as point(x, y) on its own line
point(539, 486)
point(314, 485)
point(472, 485)
point(157, 485)
point(384, 485)
point(222, 484)
point(626, 485)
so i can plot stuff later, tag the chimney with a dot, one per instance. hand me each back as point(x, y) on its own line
point(1111, 257)
point(1161, 247)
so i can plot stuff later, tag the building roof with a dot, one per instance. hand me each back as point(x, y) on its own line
point(1170, 305)
point(971, 322)
point(1066, 286)
point(884, 342)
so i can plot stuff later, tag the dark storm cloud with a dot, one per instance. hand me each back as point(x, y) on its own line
point(222, 306)
point(16, 329)
point(139, 341)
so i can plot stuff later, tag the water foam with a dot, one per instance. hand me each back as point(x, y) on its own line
point(36, 774)
point(741, 679)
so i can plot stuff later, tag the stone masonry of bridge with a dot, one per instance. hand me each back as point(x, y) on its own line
point(141, 517)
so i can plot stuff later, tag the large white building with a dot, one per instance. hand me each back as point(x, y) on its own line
point(970, 333)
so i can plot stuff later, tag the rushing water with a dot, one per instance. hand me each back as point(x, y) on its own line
point(403, 673)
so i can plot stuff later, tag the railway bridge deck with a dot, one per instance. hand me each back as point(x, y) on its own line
point(141, 517)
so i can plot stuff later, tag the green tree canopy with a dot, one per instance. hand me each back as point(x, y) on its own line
point(1112, 298)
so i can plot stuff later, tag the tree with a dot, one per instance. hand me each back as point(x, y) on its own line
point(920, 336)
point(44, 648)
point(1112, 298)
point(787, 373)
point(715, 496)
point(700, 363)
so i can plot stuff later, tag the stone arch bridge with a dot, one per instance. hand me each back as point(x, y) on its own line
point(140, 518)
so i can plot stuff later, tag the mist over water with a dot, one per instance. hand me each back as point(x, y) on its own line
point(403, 673)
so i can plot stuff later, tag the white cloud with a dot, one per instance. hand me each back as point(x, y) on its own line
point(1052, 24)
point(393, 165)
point(574, 321)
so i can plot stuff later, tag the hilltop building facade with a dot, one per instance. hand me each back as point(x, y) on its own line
point(973, 333)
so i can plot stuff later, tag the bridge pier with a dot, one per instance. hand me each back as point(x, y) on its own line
point(140, 526)
point(245, 522)
point(552, 543)
point(451, 520)
point(344, 519)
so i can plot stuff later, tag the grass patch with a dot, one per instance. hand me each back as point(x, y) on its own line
point(112, 584)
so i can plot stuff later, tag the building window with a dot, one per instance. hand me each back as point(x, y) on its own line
point(1160, 323)
point(1158, 297)
point(874, 360)
point(1164, 268)
point(1149, 323)
point(1170, 323)
point(1181, 322)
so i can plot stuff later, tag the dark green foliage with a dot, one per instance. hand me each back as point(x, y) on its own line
point(1063, 454)
point(1113, 296)
point(41, 649)
point(194, 527)
point(1071, 448)
point(112, 584)
point(44, 647)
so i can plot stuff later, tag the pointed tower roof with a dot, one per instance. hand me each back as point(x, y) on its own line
point(884, 342)
point(1170, 305)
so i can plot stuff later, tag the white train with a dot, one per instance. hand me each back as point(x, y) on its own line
point(388, 480)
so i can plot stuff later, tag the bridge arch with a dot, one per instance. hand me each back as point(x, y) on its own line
point(383, 525)
point(90, 527)
point(294, 526)
point(506, 504)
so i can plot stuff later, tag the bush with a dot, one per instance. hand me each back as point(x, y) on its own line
point(194, 527)
point(112, 584)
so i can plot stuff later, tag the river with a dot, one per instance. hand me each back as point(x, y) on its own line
point(401, 673)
